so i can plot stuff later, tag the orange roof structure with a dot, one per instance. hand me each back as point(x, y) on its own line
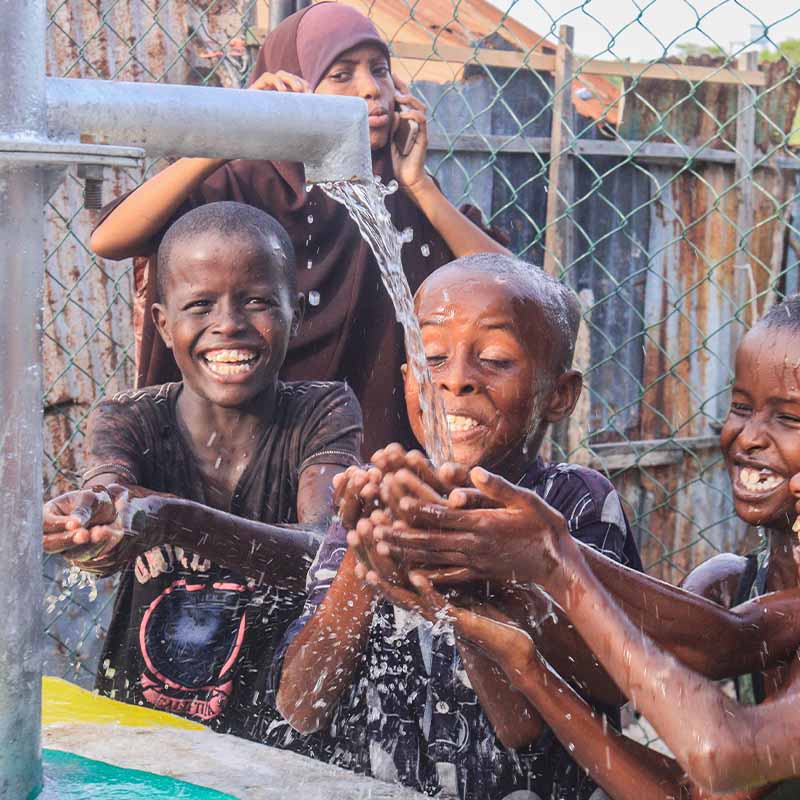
point(435, 24)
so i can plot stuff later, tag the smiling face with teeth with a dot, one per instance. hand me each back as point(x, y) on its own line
point(488, 349)
point(227, 316)
point(761, 436)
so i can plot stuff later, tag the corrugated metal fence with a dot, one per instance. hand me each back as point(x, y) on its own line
point(664, 192)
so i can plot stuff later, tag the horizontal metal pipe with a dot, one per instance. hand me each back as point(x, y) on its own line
point(330, 135)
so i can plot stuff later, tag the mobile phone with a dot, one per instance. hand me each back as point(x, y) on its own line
point(406, 133)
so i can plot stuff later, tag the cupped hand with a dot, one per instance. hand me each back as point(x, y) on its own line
point(521, 539)
point(281, 81)
point(362, 540)
point(356, 493)
point(68, 518)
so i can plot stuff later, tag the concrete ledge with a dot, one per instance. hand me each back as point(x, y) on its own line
point(244, 769)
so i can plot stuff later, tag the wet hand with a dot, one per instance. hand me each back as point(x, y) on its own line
point(281, 81)
point(519, 540)
point(356, 494)
point(68, 518)
point(434, 484)
point(362, 541)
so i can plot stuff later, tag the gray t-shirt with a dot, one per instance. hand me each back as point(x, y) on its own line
point(187, 635)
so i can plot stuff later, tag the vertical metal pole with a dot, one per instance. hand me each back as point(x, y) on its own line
point(743, 279)
point(22, 112)
point(278, 11)
point(559, 248)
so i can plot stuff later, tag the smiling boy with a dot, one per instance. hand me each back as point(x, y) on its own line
point(209, 475)
point(724, 748)
point(401, 702)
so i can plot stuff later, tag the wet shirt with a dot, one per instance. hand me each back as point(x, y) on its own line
point(187, 635)
point(411, 715)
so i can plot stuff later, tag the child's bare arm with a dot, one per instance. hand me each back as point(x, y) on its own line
point(142, 519)
point(716, 641)
point(515, 721)
point(624, 768)
point(322, 659)
point(723, 746)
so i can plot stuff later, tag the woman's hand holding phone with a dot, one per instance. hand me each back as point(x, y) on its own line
point(409, 140)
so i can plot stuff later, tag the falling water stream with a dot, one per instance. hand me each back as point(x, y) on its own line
point(365, 202)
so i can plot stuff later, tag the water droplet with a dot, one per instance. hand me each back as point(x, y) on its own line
point(310, 218)
point(407, 235)
point(309, 264)
point(571, 747)
point(309, 187)
point(392, 187)
point(425, 249)
point(313, 298)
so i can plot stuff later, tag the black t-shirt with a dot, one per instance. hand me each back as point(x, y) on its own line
point(189, 636)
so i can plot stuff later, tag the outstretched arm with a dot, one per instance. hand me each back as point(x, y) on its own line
point(722, 745)
point(102, 529)
point(322, 659)
point(716, 641)
point(624, 768)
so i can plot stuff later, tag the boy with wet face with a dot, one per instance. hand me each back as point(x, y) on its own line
point(662, 651)
point(407, 702)
point(209, 495)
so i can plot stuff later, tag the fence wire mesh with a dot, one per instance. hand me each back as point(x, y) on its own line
point(664, 191)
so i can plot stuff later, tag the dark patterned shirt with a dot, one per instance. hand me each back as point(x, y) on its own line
point(412, 716)
point(187, 635)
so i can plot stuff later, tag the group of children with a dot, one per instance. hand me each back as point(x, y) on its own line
point(458, 628)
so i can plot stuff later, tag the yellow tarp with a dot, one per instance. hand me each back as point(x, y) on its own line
point(65, 702)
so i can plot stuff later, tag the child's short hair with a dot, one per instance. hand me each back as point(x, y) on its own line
point(230, 219)
point(785, 314)
point(560, 306)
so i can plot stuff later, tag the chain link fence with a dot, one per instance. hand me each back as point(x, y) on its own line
point(664, 191)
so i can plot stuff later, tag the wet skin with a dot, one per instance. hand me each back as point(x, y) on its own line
point(228, 317)
point(727, 749)
point(491, 363)
point(223, 296)
point(761, 436)
point(484, 341)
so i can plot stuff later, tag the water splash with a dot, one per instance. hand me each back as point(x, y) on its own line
point(365, 202)
point(73, 580)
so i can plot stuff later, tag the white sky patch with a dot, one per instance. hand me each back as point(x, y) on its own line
point(643, 30)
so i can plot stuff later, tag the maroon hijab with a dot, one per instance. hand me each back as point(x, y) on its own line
point(349, 332)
